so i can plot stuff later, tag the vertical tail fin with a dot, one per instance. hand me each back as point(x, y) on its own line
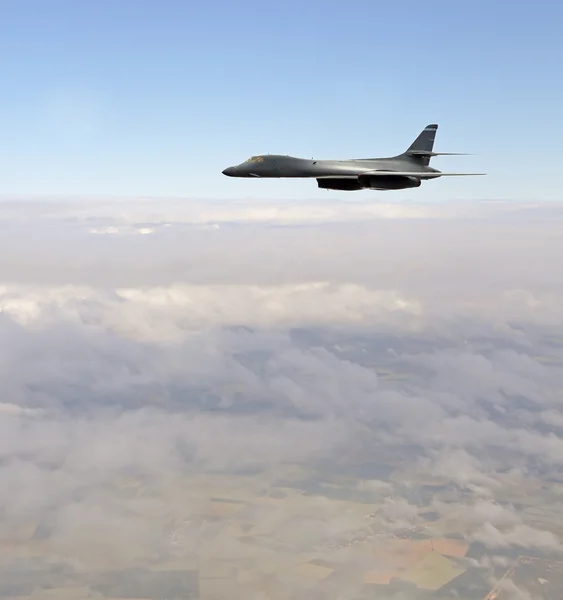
point(421, 148)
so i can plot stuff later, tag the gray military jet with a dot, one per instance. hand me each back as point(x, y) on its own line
point(406, 170)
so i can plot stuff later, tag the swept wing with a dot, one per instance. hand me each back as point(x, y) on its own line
point(424, 174)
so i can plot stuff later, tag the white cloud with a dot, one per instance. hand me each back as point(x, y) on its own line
point(177, 310)
point(428, 338)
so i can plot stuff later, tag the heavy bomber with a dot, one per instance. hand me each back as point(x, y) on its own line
point(406, 170)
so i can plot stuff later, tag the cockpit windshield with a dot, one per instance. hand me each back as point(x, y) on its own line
point(255, 159)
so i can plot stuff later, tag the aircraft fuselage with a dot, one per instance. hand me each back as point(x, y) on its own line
point(346, 175)
point(275, 165)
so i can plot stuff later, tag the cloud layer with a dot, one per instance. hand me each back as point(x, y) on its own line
point(269, 341)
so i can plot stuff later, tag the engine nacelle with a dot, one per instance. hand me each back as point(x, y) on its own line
point(349, 185)
point(387, 182)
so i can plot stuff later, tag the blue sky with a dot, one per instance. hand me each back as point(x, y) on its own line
point(155, 98)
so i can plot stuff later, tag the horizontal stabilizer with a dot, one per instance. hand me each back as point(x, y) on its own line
point(424, 153)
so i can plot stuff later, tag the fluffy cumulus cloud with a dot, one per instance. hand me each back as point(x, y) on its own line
point(213, 350)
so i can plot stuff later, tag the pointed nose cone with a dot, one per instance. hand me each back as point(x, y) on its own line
point(229, 172)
